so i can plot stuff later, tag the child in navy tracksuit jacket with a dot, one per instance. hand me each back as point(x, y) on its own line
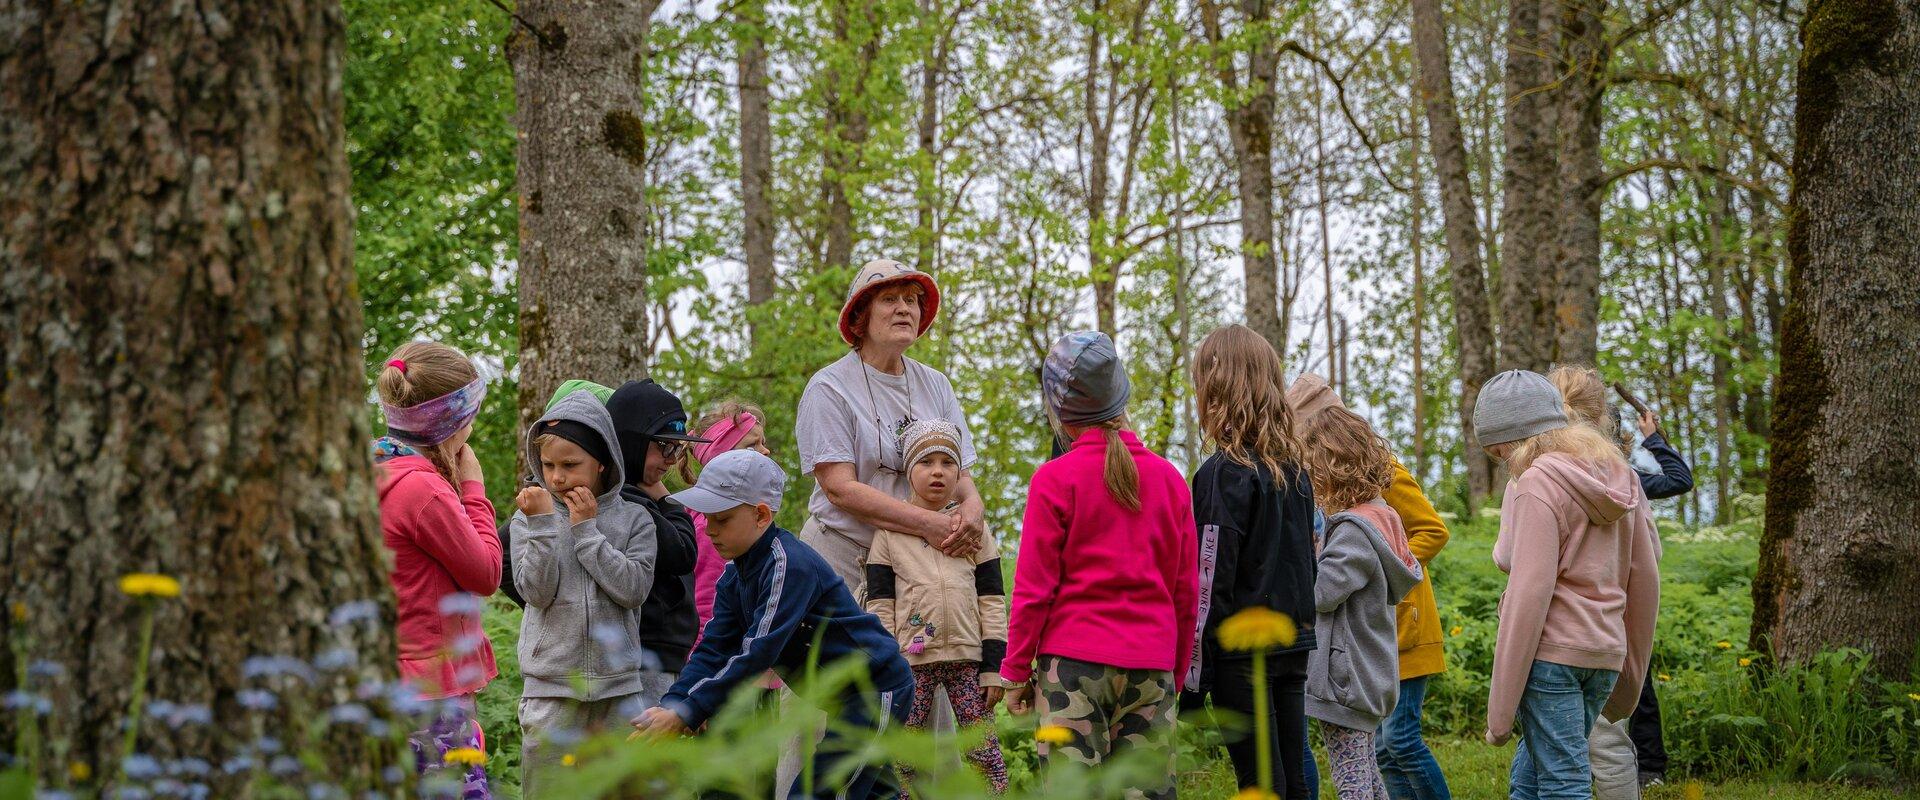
point(776, 598)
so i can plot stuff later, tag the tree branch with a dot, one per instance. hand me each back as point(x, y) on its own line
point(1660, 13)
point(1712, 105)
point(537, 34)
point(1340, 91)
point(1686, 165)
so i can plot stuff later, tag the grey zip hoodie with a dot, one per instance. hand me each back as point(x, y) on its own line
point(1353, 676)
point(583, 583)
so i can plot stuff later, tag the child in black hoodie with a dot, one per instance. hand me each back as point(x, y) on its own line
point(1254, 508)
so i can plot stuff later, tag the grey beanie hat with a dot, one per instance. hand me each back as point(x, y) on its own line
point(1517, 404)
point(1083, 380)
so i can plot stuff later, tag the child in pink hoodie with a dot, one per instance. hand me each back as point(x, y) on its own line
point(732, 425)
point(1106, 584)
point(435, 518)
point(1576, 622)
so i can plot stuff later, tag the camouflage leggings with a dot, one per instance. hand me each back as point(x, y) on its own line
point(1109, 712)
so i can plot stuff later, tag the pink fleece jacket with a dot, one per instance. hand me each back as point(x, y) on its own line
point(443, 543)
point(1098, 583)
point(707, 566)
point(1578, 544)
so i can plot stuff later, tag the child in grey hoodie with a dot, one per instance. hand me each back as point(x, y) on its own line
point(584, 561)
point(1365, 568)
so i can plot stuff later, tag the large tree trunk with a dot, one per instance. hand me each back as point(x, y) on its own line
point(926, 195)
point(185, 391)
point(842, 153)
point(1841, 555)
point(1250, 128)
point(1583, 86)
point(579, 79)
point(1529, 182)
point(1472, 319)
point(756, 150)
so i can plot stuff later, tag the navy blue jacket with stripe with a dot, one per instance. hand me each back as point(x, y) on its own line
point(768, 609)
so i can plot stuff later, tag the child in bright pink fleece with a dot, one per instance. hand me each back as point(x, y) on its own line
point(734, 424)
point(1106, 583)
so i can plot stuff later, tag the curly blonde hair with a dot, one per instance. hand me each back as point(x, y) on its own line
point(1584, 396)
point(1347, 462)
point(1240, 389)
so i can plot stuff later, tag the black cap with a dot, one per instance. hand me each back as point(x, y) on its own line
point(646, 410)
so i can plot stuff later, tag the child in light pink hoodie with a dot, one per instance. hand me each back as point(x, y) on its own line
point(1576, 623)
point(732, 425)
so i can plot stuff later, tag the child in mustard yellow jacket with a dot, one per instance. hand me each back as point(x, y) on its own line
point(949, 614)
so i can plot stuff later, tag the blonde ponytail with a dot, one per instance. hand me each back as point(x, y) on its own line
point(1123, 477)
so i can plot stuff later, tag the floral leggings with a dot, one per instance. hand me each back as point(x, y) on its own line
point(455, 724)
point(1356, 775)
point(962, 679)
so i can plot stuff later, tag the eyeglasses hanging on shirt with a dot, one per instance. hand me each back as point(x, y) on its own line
point(891, 454)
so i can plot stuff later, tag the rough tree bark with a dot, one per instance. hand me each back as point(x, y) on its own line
point(579, 78)
point(1098, 116)
point(1472, 319)
point(756, 149)
point(180, 330)
point(1529, 184)
point(1582, 78)
point(1250, 126)
point(1841, 554)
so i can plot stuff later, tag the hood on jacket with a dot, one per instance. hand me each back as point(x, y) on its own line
point(390, 471)
point(582, 407)
point(1374, 518)
point(1309, 395)
point(1605, 491)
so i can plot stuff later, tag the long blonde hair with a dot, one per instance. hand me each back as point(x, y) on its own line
point(1579, 441)
point(432, 370)
point(1240, 389)
point(1122, 476)
point(1347, 462)
point(1584, 396)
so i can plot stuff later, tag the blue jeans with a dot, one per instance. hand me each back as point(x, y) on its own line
point(872, 781)
point(1405, 762)
point(1556, 713)
point(1311, 771)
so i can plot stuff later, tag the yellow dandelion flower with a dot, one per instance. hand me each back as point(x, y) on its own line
point(1053, 734)
point(1915, 697)
point(1694, 791)
point(1255, 793)
point(1457, 629)
point(465, 755)
point(568, 760)
point(79, 771)
point(1256, 628)
point(1664, 677)
point(1746, 662)
point(19, 610)
point(1723, 644)
point(142, 584)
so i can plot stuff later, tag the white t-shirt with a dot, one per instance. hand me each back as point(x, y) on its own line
point(852, 413)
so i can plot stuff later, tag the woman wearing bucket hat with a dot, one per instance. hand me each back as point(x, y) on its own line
point(851, 416)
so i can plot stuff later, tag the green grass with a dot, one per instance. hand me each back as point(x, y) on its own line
point(1478, 772)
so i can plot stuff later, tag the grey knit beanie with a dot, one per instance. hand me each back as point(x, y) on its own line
point(1515, 405)
point(1083, 380)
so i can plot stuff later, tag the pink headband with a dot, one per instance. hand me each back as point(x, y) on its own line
point(726, 435)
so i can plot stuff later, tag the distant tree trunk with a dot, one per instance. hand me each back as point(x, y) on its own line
point(1416, 244)
point(1250, 127)
point(579, 86)
point(1099, 122)
point(1326, 237)
point(756, 150)
point(1841, 555)
point(1720, 255)
point(1584, 60)
point(1529, 181)
point(848, 127)
point(1472, 318)
point(185, 391)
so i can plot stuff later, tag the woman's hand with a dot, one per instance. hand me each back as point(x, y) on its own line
point(966, 529)
point(534, 501)
point(581, 504)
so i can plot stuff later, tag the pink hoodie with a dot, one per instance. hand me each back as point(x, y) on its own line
point(443, 543)
point(1098, 583)
point(1578, 544)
